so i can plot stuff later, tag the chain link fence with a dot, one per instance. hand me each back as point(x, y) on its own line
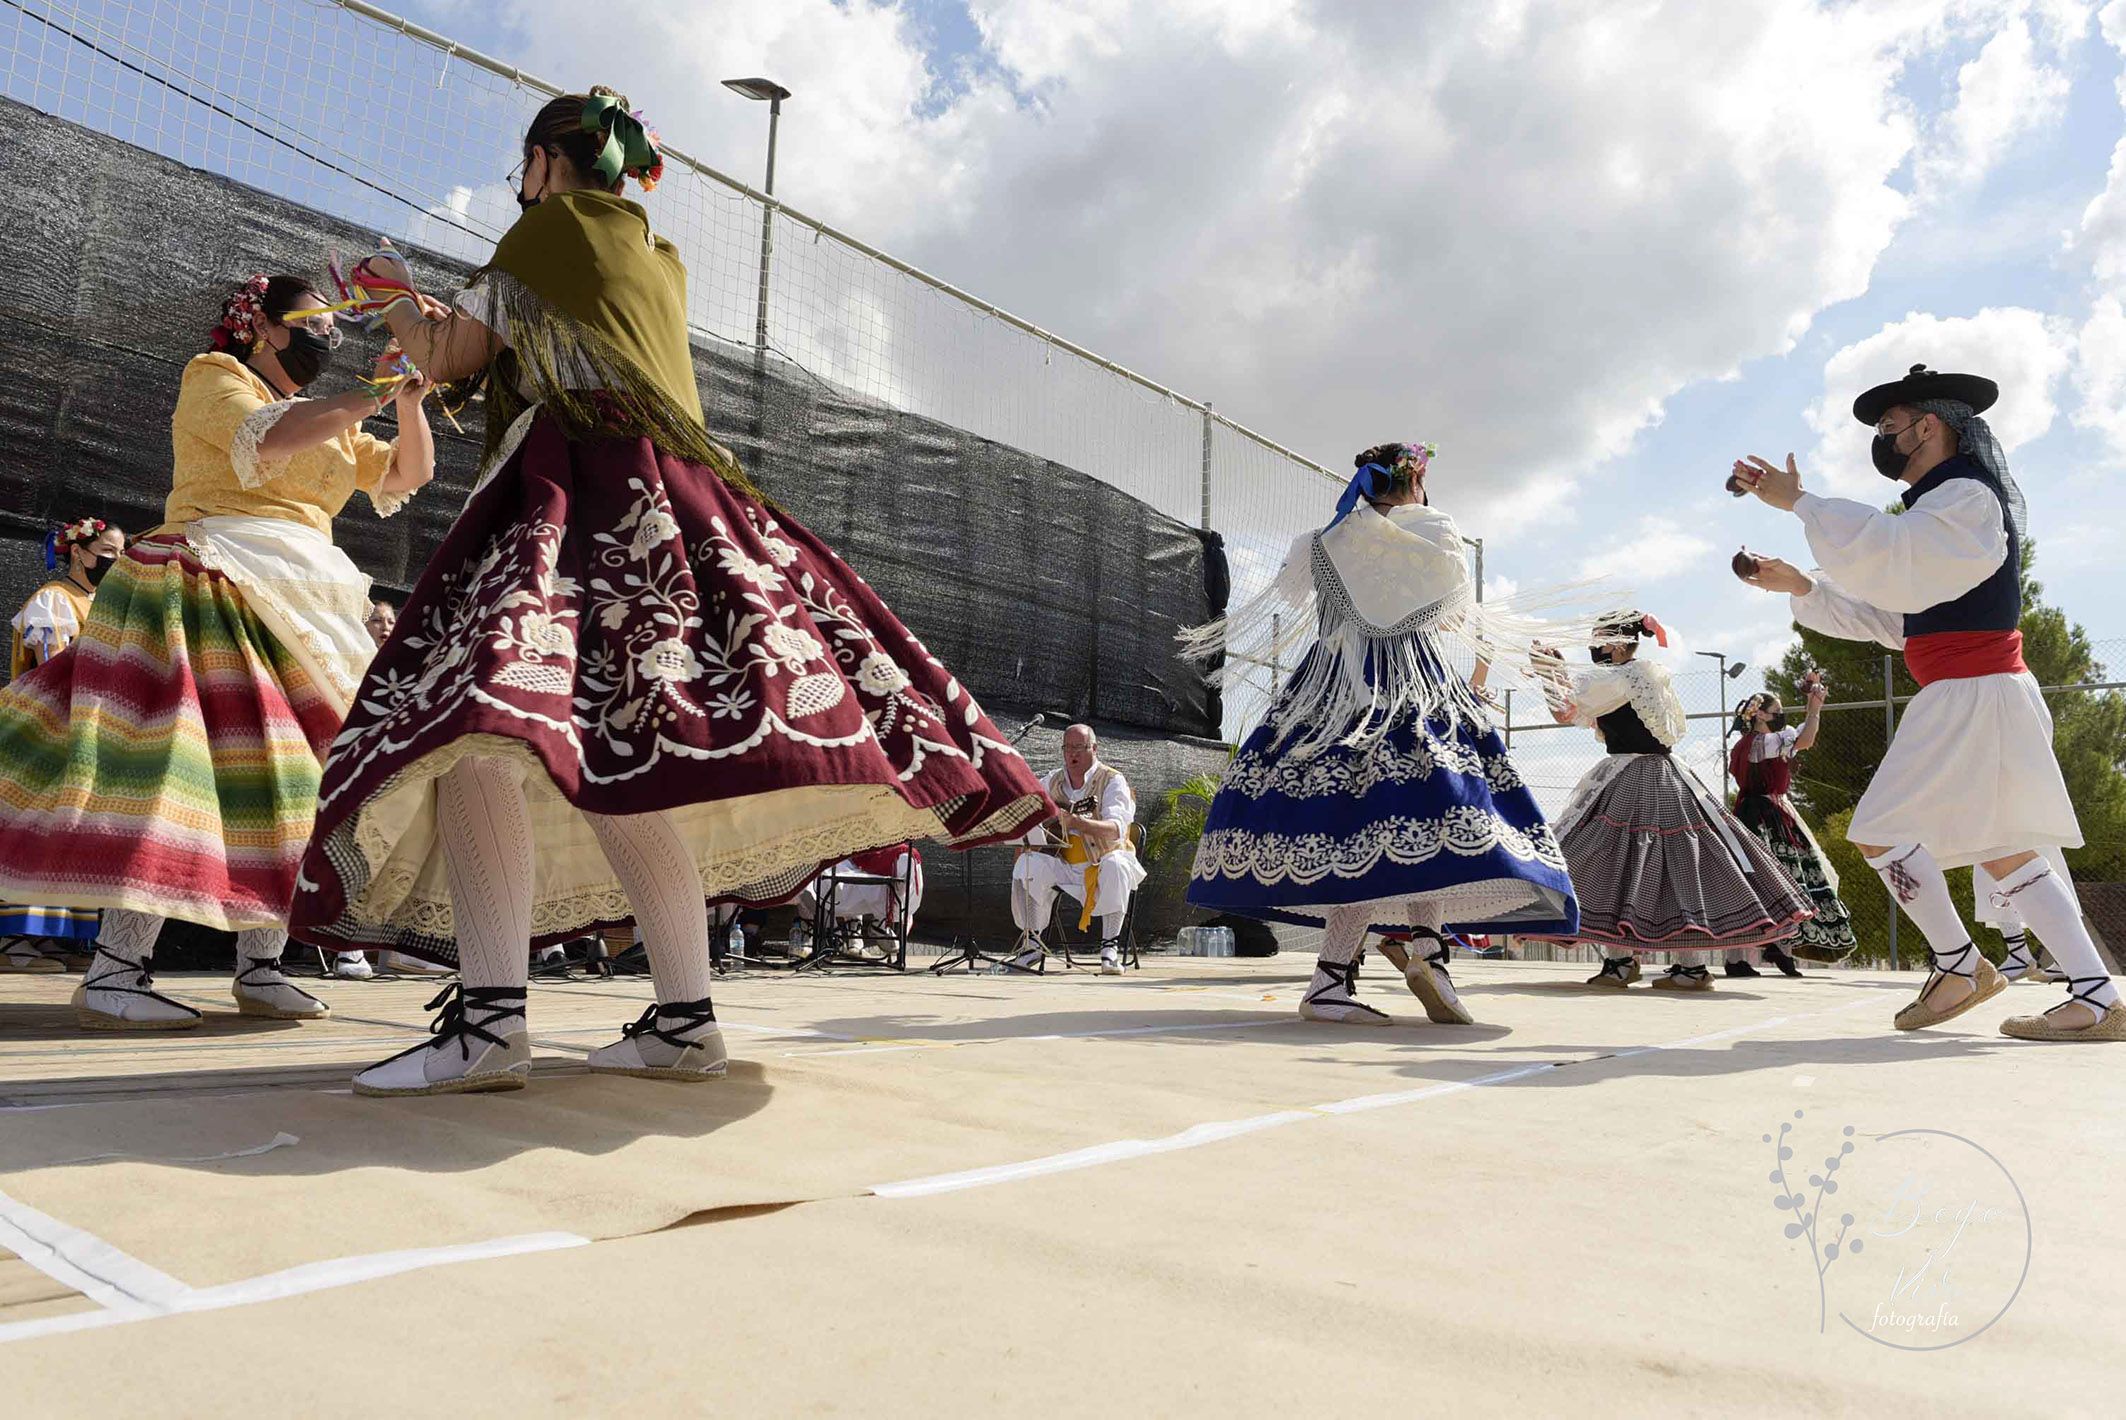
point(307, 99)
point(1830, 776)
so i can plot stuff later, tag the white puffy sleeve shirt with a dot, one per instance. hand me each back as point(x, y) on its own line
point(1874, 566)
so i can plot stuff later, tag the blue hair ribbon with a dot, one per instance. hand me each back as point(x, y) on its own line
point(51, 550)
point(1371, 481)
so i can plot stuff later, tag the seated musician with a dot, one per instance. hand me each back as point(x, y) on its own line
point(1084, 851)
point(882, 902)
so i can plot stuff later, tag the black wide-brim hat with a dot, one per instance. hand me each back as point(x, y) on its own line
point(1923, 384)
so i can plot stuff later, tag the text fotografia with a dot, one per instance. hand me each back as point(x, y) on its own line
point(1931, 1241)
point(1888, 1318)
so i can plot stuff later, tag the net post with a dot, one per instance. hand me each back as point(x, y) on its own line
point(1206, 467)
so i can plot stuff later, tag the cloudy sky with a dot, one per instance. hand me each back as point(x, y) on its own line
point(1593, 250)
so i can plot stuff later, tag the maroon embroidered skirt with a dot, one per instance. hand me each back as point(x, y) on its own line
point(642, 638)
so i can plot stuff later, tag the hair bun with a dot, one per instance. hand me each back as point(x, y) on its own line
point(600, 91)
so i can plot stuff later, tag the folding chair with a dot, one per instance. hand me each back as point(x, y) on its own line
point(832, 936)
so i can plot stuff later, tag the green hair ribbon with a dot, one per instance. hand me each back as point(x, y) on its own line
point(627, 143)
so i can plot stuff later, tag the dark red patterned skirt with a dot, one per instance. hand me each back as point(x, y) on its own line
point(642, 638)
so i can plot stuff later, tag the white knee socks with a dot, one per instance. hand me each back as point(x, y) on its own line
point(128, 935)
point(653, 865)
point(260, 944)
point(1916, 881)
point(2045, 906)
point(1345, 933)
point(488, 854)
point(1110, 926)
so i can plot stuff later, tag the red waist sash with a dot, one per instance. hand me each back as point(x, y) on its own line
point(1961, 655)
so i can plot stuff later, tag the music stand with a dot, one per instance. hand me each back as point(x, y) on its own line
point(966, 952)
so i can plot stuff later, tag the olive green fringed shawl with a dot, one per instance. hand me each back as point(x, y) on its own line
point(594, 308)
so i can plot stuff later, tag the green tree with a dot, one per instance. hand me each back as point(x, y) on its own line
point(2089, 736)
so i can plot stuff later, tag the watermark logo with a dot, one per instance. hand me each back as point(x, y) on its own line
point(1919, 1238)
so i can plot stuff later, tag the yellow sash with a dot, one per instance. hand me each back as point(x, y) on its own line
point(1076, 851)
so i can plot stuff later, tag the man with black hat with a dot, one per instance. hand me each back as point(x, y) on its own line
point(1969, 777)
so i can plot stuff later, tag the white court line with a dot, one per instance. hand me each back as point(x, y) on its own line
point(948, 1044)
point(172, 1298)
point(1195, 1136)
point(129, 1290)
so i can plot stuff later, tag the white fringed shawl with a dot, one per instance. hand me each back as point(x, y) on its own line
point(1385, 599)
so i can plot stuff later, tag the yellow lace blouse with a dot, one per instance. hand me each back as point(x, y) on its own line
point(223, 410)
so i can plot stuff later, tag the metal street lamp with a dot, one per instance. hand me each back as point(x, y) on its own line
point(1727, 673)
point(774, 94)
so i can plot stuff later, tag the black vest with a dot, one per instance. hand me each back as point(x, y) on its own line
point(1623, 732)
point(1995, 604)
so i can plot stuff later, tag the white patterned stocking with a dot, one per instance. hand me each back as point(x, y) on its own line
point(664, 889)
point(488, 853)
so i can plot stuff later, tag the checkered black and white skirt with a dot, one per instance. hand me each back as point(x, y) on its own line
point(1659, 864)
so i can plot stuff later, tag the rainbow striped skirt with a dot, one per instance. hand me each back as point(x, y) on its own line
point(168, 760)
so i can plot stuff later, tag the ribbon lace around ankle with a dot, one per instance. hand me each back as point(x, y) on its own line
point(1961, 962)
point(691, 1015)
point(1441, 953)
point(1343, 975)
point(2082, 991)
point(495, 1003)
point(138, 970)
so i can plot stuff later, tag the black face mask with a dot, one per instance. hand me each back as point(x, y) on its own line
point(96, 568)
point(525, 204)
point(1883, 452)
point(307, 355)
point(1777, 722)
point(1600, 655)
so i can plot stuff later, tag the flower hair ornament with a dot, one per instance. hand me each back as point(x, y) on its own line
point(1378, 479)
point(68, 536)
point(631, 148)
point(243, 312)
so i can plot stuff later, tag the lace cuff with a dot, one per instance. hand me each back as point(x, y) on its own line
point(388, 503)
point(252, 468)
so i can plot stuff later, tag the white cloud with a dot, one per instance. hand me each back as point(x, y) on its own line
point(2023, 351)
point(2004, 93)
point(1517, 231)
point(1657, 549)
point(2100, 374)
point(2102, 234)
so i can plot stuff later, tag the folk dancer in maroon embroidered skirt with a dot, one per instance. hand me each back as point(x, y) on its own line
point(1761, 762)
point(1659, 863)
point(625, 685)
point(166, 763)
point(1970, 776)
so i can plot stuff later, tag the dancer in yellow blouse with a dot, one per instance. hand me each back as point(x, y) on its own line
point(167, 765)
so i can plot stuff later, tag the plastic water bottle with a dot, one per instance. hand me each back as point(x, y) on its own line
point(735, 944)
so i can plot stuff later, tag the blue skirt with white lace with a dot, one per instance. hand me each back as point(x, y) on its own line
point(1431, 810)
